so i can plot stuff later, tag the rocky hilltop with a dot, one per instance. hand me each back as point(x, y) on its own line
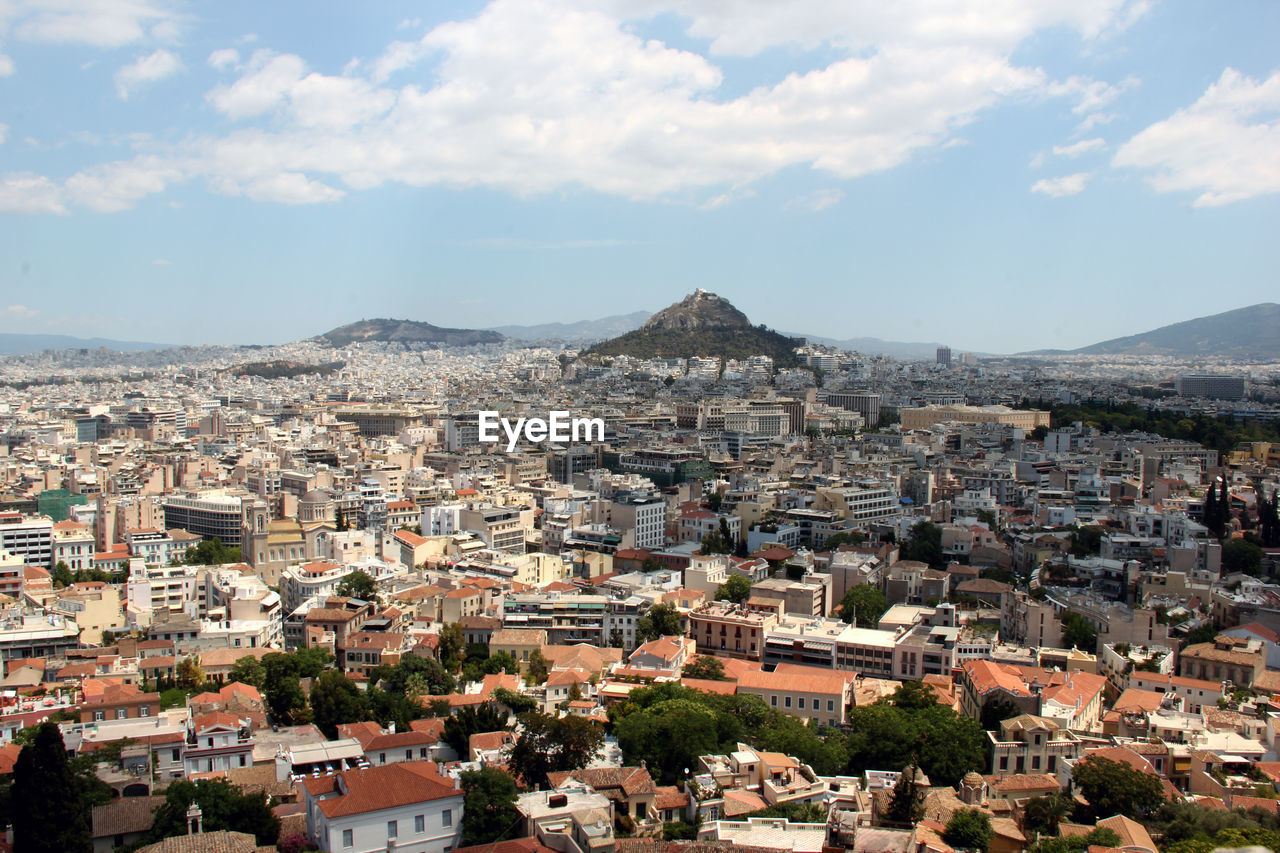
point(701, 324)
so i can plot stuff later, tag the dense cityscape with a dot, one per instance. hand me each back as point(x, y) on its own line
point(661, 426)
point(288, 596)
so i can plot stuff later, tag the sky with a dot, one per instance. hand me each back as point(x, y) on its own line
point(996, 175)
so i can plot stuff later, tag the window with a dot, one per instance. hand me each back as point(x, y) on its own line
point(121, 713)
point(773, 700)
point(831, 704)
point(348, 839)
point(177, 755)
point(787, 701)
point(408, 755)
point(382, 758)
point(1004, 762)
point(801, 703)
point(144, 710)
point(419, 824)
point(446, 817)
point(393, 827)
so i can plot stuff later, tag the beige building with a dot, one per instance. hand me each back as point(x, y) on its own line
point(520, 643)
point(802, 691)
point(926, 416)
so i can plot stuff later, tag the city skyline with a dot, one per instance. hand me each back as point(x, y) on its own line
point(933, 174)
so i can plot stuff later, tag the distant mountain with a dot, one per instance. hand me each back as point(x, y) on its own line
point(407, 331)
point(702, 324)
point(15, 344)
point(583, 330)
point(1247, 333)
point(905, 350)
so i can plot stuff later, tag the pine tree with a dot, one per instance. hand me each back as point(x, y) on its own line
point(1211, 514)
point(47, 812)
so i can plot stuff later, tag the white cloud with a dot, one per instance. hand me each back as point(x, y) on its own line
point(1084, 146)
point(4, 133)
point(19, 312)
point(146, 69)
point(816, 200)
point(118, 186)
point(1063, 186)
point(535, 96)
point(103, 23)
point(223, 59)
point(1225, 146)
point(6, 65)
point(24, 192)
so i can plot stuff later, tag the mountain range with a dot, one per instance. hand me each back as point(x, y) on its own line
point(16, 344)
point(1245, 333)
point(582, 330)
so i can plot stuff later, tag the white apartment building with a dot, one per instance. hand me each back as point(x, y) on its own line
point(28, 538)
point(405, 806)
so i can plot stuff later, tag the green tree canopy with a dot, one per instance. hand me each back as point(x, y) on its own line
point(969, 828)
point(468, 721)
point(1241, 555)
point(223, 807)
point(661, 620)
point(211, 552)
point(1078, 632)
point(249, 670)
point(864, 602)
point(1113, 788)
point(923, 544)
point(736, 589)
point(704, 667)
point(48, 812)
point(359, 584)
point(488, 806)
point(336, 700)
point(550, 744)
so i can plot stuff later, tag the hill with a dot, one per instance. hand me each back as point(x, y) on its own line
point(1247, 333)
point(284, 369)
point(582, 330)
point(407, 331)
point(15, 344)
point(702, 324)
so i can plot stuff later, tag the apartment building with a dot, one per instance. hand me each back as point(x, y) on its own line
point(30, 538)
point(406, 806)
point(802, 691)
point(1031, 744)
point(730, 630)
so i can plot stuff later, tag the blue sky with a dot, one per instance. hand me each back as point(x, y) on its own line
point(998, 175)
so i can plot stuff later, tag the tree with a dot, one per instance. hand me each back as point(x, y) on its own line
point(1241, 555)
point(62, 576)
point(489, 811)
point(539, 667)
point(340, 523)
point(995, 711)
point(249, 670)
point(359, 584)
point(906, 804)
point(550, 744)
point(718, 541)
point(432, 679)
point(1112, 788)
point(912, 727)
point(468, 721)
point(1078, 843)
point(924, 544)
point(661, 620)
point(211, 552)
point(190, 675)
point(704, 667)
point(736, 589)
point(1078, 632)
point(452, 646)
point(47, 812)
point(335, 700)
point(223, 807)
point(670, 735)
point(969, 828)
point(849, 537)
point(865, 603)
point(1041, 815)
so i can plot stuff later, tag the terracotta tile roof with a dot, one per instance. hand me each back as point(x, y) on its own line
point(792, 682)
point(379, 788)
point(124, 816)
point(216, 718)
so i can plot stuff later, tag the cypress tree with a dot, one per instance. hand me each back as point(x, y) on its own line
point(1211, 510)
point(48, 816)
